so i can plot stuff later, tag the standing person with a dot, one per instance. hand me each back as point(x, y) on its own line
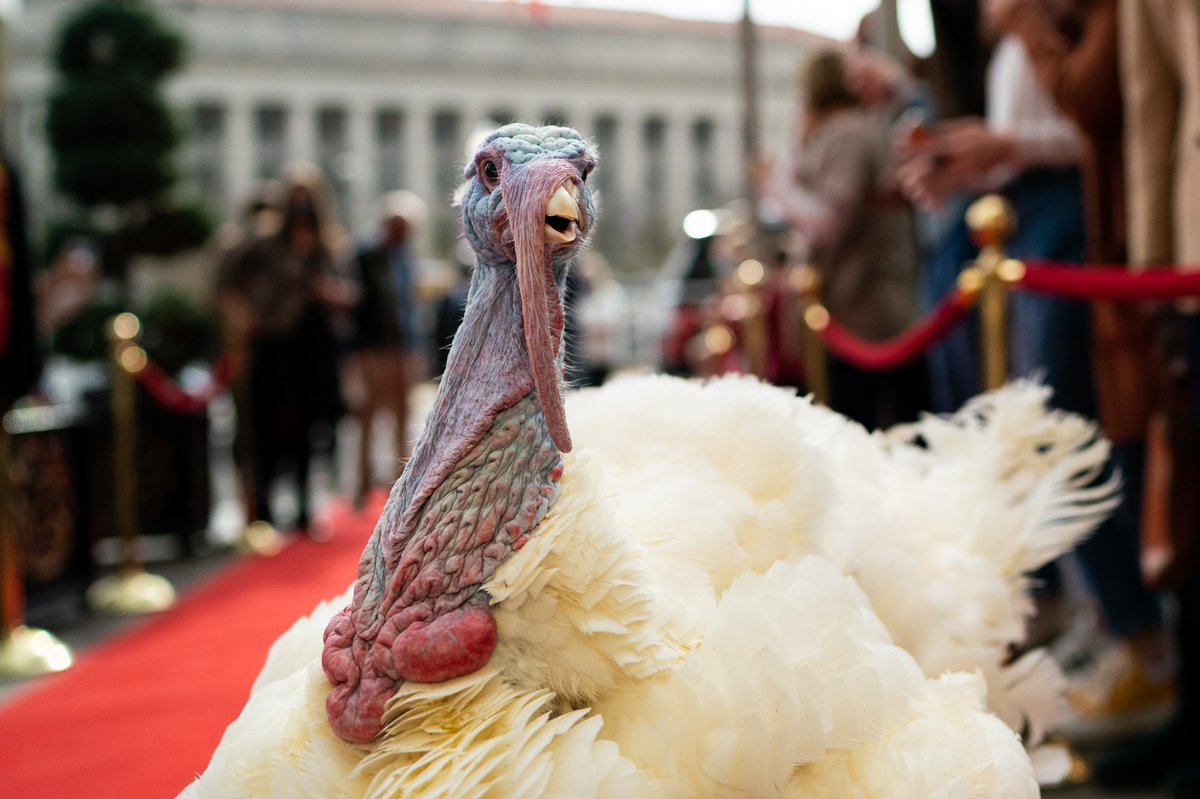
point(1028, 151)
point(1159, 59)
point(278, 292)
point(388, 334)
point(860, 237)
point(1081, 72)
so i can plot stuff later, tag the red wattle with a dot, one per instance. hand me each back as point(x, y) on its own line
point(456, 643)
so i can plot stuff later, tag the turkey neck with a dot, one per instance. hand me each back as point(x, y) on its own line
point(485, 471)
point(486, 390)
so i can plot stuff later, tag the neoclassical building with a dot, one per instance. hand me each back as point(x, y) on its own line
point(386, 94)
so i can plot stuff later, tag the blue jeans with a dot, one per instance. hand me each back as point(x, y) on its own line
point(1048, 336)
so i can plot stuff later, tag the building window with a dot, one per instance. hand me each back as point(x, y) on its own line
point(654, 145)
point(448, 160)
point(389, 150)
point(605, 136)
point(704, 184)
point(607, 236)
point(447, 147)
point(333, 154)
point(208, 142)
point(270, 137)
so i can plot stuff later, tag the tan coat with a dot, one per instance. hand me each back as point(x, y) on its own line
point(1160, 78)
point(868, 259)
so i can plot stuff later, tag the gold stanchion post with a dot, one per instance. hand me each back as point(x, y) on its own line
point(991, 220)
point(806, 283)
point(747, 281)
point(24, 651)
point(132, 590)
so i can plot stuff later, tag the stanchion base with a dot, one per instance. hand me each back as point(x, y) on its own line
point(1058, 764)
point(260, 538)
point(131, 594)
point(28, 652)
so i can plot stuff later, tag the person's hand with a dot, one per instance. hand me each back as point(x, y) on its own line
point(953, 156)
point(912, 135)
point(969, 149)
point(923, 183)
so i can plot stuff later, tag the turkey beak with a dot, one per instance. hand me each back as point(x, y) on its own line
point(562, 215)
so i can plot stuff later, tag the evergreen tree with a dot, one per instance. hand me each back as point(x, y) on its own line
point(112, 134)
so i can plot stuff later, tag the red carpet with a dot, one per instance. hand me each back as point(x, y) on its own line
point(138, 717)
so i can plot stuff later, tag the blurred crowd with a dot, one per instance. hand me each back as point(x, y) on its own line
point(1085, 116)
point(334, 327)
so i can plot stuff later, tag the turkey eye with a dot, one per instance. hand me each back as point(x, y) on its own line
point(587, 170)
point(490, 173)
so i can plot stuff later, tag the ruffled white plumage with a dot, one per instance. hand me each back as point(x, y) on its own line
point(681, 622)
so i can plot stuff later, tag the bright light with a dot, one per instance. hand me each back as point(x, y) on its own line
point(750, 272)
point(700, 224)
point(916, 26)
point(10, 9)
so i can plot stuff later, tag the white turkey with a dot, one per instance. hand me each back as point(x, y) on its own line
point(722, 590)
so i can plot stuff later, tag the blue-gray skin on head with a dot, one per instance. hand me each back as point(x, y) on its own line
point(515, 145)
point(488, 463)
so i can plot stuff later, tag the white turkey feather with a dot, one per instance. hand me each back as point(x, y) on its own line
point(735, 593)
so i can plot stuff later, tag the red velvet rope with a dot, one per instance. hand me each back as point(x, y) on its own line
point(169, 394)
point(891, 354)
point(1108, 282)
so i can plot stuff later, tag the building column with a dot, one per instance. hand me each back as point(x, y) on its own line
point(419, 155)
point(361, 118)
point(238, 153)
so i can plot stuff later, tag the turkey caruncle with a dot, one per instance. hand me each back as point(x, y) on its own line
point(664, 610)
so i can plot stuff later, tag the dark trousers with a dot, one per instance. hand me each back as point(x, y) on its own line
point(878, 399)
point(289, 390)
point(1187, 597)
point(1110, 558)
